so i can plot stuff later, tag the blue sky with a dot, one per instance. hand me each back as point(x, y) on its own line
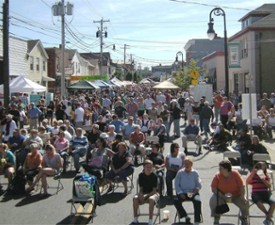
point(153, 30)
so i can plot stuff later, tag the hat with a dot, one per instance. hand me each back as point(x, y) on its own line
point(104, 135)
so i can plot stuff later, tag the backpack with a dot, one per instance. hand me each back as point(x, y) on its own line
point(17, 186)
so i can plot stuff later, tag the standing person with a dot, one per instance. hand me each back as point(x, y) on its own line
point(132, 108)
point(175, 118)
point(206, 115)
point(78, 115)
point(173, 163)
point(49, 112)
point(34, 113)
point(261, 193)
point(147, 181)
point(148, 103)
point(188, 191)
point(165, 114)
point(201, 105)
point(265, 102)
point(217, 100)
point(224, 110)
point(228, 181)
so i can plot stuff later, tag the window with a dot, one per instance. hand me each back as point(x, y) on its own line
point(37, 64)
point(244, 48)
point(31, 63)
point(44, 65)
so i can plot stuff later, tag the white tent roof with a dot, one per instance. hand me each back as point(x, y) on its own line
point(22, 84)
point(166, 85)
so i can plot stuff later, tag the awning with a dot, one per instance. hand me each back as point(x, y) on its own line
point(46, 78)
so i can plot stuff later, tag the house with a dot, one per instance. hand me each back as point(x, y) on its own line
point(55, 70)
point(94, 59)
point(18, 58)
point(213, 67)
point(255, 44)
point(198, 48)
point(37, 63)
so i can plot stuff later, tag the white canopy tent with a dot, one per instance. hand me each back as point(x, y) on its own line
point(22, 84)
point(166, 85)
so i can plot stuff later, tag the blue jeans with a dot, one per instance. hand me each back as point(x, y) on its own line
point(205, 124)
point(177, 127)
point(77, 153)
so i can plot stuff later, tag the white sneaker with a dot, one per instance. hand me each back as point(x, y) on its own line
point(134, 221)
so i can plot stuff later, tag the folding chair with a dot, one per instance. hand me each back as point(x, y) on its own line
point(251, 203)
point(130, 183)
point(233, 154)
point(257, 157)
point(59, 186)
point(156, 212)
point(88, 203)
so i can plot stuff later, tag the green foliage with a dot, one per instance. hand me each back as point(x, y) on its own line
point(129, 76)
point(182, 78)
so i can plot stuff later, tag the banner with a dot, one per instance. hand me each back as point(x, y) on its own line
point(234, 55)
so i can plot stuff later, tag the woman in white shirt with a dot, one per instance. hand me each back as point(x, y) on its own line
point(173, 163)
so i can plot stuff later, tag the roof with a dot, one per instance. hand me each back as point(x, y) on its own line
point(83, 84)
point(92, 56)
point(263, 10)
point(32, 43)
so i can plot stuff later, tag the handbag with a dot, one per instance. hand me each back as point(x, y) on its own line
point(223, 208)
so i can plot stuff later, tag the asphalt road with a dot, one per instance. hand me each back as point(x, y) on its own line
point(115, 208)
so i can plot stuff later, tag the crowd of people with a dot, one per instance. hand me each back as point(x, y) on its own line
point(109, 131)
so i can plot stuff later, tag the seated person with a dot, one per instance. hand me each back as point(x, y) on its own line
point(173, 163)
point(111, 134)
point(158, 161)
point(188, 191)
point(21, 154)
point(44, 135)
point(15, 143)
point(32, 163)
point(114, 146)
point(98, 162)
point(261, 193)
point(62, 146)
point(255, 147)
point(160, 131)
point(128, 128)
point(7, 166)
point(220, 139)
point(93, 135)
point(270, 122)
point(51, 165)
point(117, 123)
point(224, 182)
point(78, 147)
point(137, 140)
point(121, 166)
point(147, 181)
point(63, 128)
point(191, 133)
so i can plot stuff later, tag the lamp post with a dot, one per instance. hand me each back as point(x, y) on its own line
point(180, 53)
point(211, 35)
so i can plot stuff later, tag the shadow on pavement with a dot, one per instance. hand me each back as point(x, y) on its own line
point(80, 220)
point(112, 198)
point(31, 199)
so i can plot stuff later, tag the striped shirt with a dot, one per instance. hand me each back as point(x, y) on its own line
point(258, 185)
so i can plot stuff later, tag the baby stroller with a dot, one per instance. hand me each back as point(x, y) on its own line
point(85, 192)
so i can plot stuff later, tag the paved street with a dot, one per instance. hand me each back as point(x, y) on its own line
point(115, 208)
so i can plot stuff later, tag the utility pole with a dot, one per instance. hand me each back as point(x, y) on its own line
point(6, 69)
point(100, 34)
point(60, 9)
point(124, 61)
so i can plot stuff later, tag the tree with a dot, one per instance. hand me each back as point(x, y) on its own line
point(129, 76)
point(183, 78)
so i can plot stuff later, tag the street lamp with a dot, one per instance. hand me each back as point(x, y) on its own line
point(179, 52)
point(211, 35)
